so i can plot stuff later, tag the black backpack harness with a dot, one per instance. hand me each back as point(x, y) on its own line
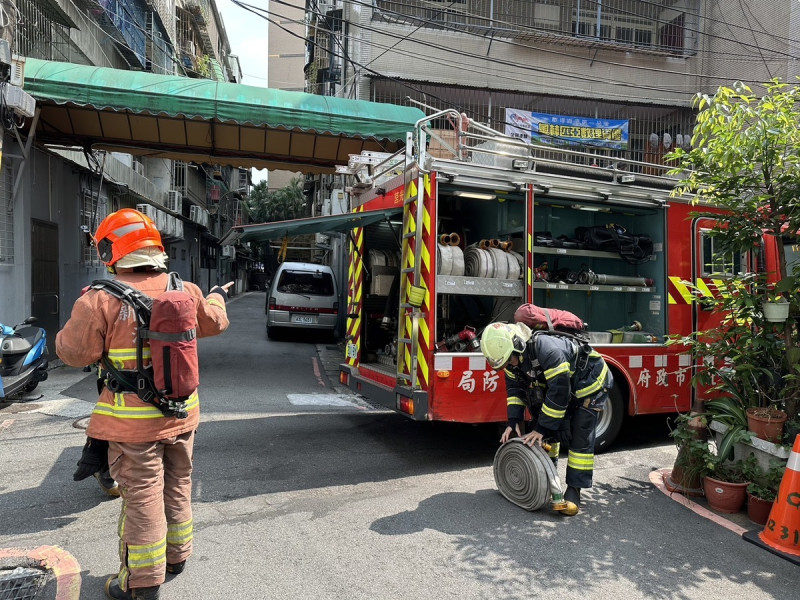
point(141, 381)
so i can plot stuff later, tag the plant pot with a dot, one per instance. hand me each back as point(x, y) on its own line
point(724, 496)
point(684, 481)
point(775, 312)
point(758, 509)
point(767, 424)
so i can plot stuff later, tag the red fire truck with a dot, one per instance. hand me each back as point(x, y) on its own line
point(468, 224)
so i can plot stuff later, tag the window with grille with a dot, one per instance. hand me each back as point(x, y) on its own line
point(6, 214)
point(93, 211)
point(716, 262)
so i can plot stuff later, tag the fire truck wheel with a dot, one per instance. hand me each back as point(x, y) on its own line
point(609, 422)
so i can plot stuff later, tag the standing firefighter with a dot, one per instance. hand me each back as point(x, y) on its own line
point(149, 442)
point(564, 384)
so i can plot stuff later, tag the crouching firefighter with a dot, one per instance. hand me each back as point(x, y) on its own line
point(562, 381)
point(145, 411)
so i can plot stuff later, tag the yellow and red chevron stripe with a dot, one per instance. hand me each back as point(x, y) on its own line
point(355, 281)
point(409, 253)
point(680, 291)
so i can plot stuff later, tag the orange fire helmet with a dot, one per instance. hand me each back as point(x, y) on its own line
point(123, 232)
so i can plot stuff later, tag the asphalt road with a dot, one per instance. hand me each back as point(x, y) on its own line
point(303, 491)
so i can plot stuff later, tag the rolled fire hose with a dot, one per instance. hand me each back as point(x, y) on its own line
point(450, 260)
point(478, 263)
point(500, 263)
point(455, 239)
point(514, 265)
point(592, 278)
point(444, 239)
point(528, 478)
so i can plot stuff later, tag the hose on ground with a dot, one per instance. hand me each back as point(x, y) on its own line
point(525, 476)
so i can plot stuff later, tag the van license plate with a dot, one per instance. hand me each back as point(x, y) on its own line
point(302, 319)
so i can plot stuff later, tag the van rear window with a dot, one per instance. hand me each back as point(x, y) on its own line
point(306, 282)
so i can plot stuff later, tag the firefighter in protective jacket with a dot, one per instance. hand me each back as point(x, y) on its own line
point(562, 381)
point(150, 453)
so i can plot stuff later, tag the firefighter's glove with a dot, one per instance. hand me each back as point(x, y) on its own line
point(563, 435)
point(218, 290)
point(94, 458)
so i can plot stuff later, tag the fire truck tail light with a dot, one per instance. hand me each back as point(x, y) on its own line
point(344, 379)
point(405, 405)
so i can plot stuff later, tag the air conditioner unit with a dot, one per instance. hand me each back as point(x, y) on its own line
point(138, 167)
point(18, 100)
point(321, 238)
point(174, 201)
point(178, 229)
point(149, 210)
point(199, 215)
point(228, 252)
point(17, 76)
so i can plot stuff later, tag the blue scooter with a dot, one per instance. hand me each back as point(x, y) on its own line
point(22, 358)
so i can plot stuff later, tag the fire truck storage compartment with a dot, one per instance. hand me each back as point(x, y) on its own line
point(380, 300)
point(477, 298)
point(607, 291)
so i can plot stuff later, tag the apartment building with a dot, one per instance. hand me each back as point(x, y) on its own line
point(633, 65)
point(54, 195)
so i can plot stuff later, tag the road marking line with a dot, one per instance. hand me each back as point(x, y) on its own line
point(315, 364)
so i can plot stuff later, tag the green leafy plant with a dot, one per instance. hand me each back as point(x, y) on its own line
point(729, 411)
point(690, 435)
point(764, 483)
point(745, 162)
point(732, 472)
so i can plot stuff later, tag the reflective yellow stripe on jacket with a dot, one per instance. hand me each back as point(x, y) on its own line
point(120, 411)
point(125, 358)
point(596, 386)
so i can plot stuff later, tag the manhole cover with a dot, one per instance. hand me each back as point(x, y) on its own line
point(81, 423)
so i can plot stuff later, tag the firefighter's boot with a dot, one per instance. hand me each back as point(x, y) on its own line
point(107, 483)
point(114, 592)
point(176, 568)
point(573, 496)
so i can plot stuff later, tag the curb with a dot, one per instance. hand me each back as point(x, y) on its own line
point(40, 569)
point(657, 479)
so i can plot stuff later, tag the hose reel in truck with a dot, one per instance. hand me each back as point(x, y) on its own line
point(527, 477)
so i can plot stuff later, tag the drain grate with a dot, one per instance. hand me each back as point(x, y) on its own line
point(21, 583)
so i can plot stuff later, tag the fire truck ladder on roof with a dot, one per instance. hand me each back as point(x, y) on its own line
point(410, 275)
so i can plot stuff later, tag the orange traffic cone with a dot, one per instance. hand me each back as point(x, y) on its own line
point(781, 534)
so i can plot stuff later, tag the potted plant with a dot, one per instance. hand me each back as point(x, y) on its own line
point(692, 462)
point(725, 486)
point(766, 422)
point(743, 160)
point(763, 487)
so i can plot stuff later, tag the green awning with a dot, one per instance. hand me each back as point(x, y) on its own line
point(279, 229)
point(201, 120)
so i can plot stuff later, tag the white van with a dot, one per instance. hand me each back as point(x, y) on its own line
point(302, 295)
